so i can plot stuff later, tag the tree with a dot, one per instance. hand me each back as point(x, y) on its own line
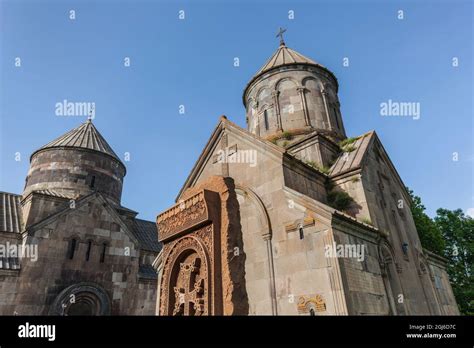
point(457, 230)
point(451, 235)
point(429, 233)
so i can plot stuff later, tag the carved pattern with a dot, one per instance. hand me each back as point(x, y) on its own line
point(308, 303)
point(182, 216)
point(205, 235)
point(189, 292)
point(189, 289)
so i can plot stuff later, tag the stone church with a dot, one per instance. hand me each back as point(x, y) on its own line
point(68, 245)
point(292, 217)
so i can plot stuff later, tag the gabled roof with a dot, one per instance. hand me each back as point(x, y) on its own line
point(224, 124)
point(11, 216)
point(79, 203)
point(146, 271)
point(56, 193)
point(348, 161)
point(228, 126)
point(86, 136)
point(147, 234)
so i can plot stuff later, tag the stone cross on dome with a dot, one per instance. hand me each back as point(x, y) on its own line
point(91, 115)
point(280, 34)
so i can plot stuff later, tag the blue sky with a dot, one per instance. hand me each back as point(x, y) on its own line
point(190, 62)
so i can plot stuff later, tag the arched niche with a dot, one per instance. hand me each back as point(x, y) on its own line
point(185, 287)
point(290, 104)
point(315, 102)
point(391, 280)
point(86, 299)
point(257, 241)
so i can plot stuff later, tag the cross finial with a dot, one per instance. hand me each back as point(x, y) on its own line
point(91, 115)
point(280, 34)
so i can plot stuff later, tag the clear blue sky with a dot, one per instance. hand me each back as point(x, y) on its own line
point(190, 62)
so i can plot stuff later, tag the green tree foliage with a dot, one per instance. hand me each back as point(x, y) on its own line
point(457, 230)
point(429, 233)
point(451, 235)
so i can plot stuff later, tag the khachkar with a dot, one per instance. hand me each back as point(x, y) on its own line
point(201, 238)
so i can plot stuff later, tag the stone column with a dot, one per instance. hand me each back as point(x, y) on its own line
point(324, 94)
point(225, 163)
point(301, 92)
point(277, 109)
point(271, 269)
point(340, 117)
point(388, 289)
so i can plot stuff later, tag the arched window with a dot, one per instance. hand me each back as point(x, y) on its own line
point(92, 184)
point(300, 229)
point(102, 253)
point(265, 119)
point(88, 252)
point(72, 248)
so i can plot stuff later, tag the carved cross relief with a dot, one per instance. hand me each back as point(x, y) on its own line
point(189, 289)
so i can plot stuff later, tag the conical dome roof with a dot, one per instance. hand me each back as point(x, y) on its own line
point(86, 136)
point(285, 56)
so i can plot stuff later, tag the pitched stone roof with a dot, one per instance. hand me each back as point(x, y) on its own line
point(56, 193)
point(285, 56)
point(86, 136)
point(228, 126)
point(147, 234)
point(147, 271)
point(11, 218)
point(348, 161)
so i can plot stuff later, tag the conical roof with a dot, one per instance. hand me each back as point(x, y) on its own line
point(285, 56)
point(86, 136)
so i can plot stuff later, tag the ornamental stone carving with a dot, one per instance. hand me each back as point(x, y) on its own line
point(199, 276)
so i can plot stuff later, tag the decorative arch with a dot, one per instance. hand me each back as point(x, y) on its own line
point(307, 79)
point(186, 280)
point(263, 95)
point(266, 234)
point(250, 103)
point(285, 79)
point(81, 299)
point(262, 107)
point(386, 252)
point(265, 220)
point(426, 279)
point(391, 280)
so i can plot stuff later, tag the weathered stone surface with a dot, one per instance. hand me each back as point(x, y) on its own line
point(91, 252)
point(203, 235)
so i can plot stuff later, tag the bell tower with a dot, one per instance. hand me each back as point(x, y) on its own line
point(291, 96)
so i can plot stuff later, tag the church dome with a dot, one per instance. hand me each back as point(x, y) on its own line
point(284, 56)
point(75, 164)
point(292, 95)
point(86, 136)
